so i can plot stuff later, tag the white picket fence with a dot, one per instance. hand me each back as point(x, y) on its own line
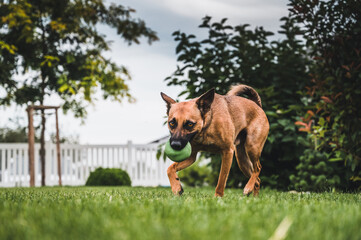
point(77, 161)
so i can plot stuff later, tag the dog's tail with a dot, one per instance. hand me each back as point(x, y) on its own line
point(240, 89)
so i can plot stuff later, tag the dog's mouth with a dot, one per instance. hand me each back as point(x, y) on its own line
point(178, 143)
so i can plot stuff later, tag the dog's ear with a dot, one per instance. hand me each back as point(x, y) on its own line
point(205, 101)
point(168, 100)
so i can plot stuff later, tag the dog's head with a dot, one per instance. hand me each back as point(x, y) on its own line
point(186, 119)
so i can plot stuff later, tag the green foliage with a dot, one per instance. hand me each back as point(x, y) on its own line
point(16, 133)
point(56, 48)
point(108, 177)
point(153, 213)
point(334, 93)
point(8, 135)
point(277, 69)
point(19, 134)
point(315, 173)
point(236, 177)
point(196, 175)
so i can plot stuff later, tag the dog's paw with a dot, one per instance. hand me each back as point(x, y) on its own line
point(178, 191)
point(247, 191)
point(219, 194)
point(181, 191)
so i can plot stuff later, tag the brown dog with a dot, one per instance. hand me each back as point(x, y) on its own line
point(220, 124)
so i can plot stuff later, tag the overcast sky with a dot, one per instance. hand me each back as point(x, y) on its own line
point(142, 122)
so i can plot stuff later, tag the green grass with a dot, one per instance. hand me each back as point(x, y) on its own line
point(153, 213)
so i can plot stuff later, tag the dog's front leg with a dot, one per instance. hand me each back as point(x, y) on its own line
point(172, 173)
point(227, 157)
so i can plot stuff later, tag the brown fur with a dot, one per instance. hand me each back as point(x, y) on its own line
point(225, 124)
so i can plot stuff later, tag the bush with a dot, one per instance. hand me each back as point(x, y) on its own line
point(332, 33)
point(108, 177)
point(315, 173)
point(196, 176)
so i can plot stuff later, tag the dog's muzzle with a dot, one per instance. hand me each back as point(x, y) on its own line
point(178, 143)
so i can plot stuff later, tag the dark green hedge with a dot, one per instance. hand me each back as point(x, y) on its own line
point(108, 177)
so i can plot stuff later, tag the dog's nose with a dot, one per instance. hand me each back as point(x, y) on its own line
point(176, 145)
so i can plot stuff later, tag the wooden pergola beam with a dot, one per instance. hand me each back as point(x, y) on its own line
point(40, 107)
point(31, 141)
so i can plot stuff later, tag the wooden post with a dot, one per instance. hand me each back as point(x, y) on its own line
point(42, 147)
point(58, 146)
point(31, 141)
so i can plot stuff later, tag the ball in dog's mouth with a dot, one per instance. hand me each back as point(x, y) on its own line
point(178, 155)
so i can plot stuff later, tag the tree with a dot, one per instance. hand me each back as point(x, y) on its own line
point(277, 69)
point(332, 33)
point(56, 48)
point(57, 45)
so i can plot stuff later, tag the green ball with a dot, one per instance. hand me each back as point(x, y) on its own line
point(175, 155)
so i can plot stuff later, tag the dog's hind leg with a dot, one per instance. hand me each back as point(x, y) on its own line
point(243, 161)
point(172, 173)
point(253, 146)
point(254, 183)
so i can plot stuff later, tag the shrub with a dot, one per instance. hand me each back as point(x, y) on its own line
point(196, 176)
point(108, 177)
point(332, 33)
point(315, 173)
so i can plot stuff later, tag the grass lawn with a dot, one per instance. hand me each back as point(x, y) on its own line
point(153, 213)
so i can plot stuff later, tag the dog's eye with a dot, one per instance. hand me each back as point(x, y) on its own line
point(172, 124)
point(189, 125)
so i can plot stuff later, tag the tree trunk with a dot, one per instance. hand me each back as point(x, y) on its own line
point(43, 85)
point(42, 147)
point(58, 146)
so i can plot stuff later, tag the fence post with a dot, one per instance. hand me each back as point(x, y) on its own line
point(84, 162)
point(80, 162)
point(130, 159)
point(48, 162)
point(3, 165)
